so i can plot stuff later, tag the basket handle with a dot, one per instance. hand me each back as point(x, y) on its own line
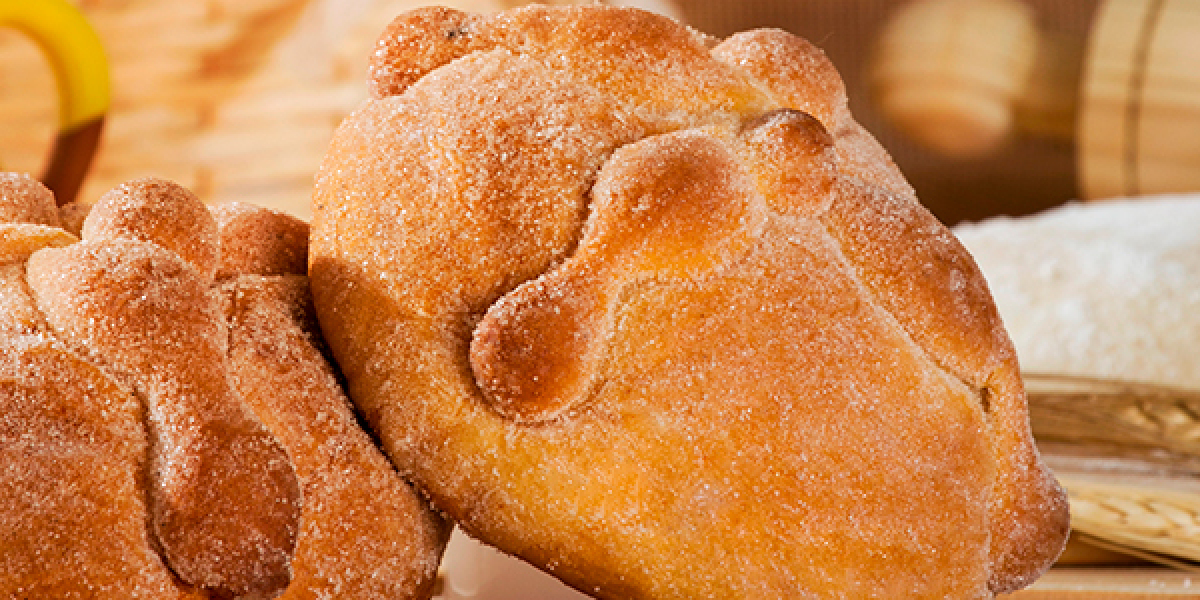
point(81, 70)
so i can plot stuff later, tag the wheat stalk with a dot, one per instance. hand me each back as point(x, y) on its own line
point(1128, 455)
point(1158, 520)
point(1133, 419)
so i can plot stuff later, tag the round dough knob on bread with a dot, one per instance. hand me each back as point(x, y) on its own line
point(652, 312)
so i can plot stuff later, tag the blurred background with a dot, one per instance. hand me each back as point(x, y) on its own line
point(236, 99)
point(1018, 175)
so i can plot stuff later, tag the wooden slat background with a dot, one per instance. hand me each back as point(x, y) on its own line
point(235, 99)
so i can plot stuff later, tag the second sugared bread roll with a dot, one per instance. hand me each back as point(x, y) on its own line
point(653, 313)
point(170, 434)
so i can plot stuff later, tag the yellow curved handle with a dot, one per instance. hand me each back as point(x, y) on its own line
point(77, 56)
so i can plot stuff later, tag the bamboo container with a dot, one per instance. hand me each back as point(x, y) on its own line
point(948, 72)
point(1139, 130)
point(1127, 96)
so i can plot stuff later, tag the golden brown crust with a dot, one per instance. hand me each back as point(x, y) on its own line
point(161, 212)
point(24, 200)
point(364, 532)
point(63, 420)
point(416, 43)
point(259, 241)
point(22, 316)
point(938, 294)
point(667, 208)
point(158, 478)
point(151, 248)
point(747, 373)
point(799, 76)
point(168, 342)
point(589, 48)
point(793, 161)
point(18, 241)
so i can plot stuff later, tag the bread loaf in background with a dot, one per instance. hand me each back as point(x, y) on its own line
point(169, 426)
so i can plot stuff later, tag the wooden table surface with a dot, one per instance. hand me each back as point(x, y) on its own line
point(1100, 583)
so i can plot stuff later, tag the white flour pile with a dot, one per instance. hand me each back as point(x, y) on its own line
point(1106, 289)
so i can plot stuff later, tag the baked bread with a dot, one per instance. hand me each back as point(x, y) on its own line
point(653, 313)
point(171, 428)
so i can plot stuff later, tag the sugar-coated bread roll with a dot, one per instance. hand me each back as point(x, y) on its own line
point(652, 312)
point(168, 435)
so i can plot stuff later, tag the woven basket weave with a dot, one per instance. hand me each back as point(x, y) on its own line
point(1129, 456)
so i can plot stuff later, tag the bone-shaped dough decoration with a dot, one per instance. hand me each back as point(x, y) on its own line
point(170, 427)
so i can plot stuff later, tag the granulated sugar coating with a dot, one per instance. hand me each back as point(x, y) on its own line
point(653, 313)
point(167, 435)
point(23, 199)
